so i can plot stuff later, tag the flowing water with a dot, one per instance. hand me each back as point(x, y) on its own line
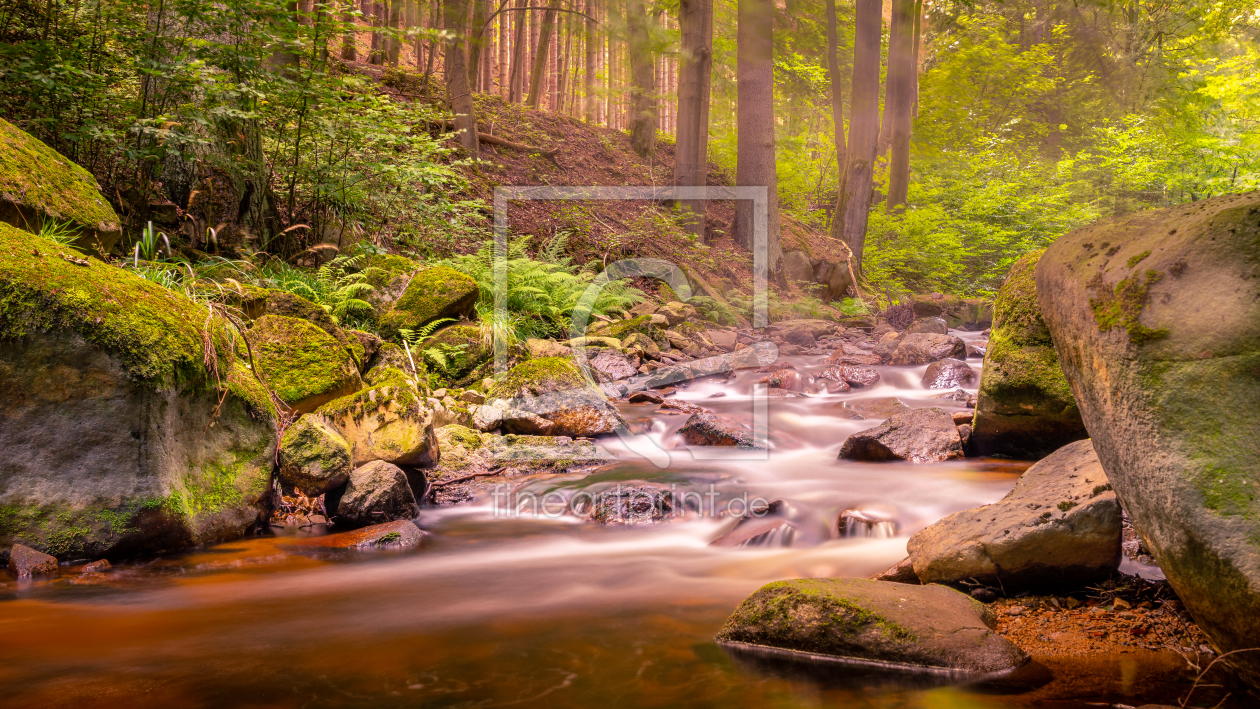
point(540, 608)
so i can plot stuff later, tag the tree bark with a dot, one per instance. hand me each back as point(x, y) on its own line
point(754, 76)
point(349, 52)
point(517, 79)
point(853, 202)
point(642, 80)
point(691, 151)
point(377, 55)
point(837, 87)
point(538, 77)
point(901, 72)
point(476, 45)
point(588, 67)
point(455, 16)
point(395, 24)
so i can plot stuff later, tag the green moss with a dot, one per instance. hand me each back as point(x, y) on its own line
point(1029, 374)
point(219, 486)
point(244, 386)
point(1066, 505)
point(69, 533)
point(35, 176)
point(460, 435)
point(300, 361)
point(388, 538)
point(1016, 311)
point(1120, 307)
point(621, 329)
point(383, 268)
point(156, 333)
point(1138, 258)
point(775, 610)
point(432, 294)
point(537, 376)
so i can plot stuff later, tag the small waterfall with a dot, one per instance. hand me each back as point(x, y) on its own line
point(875, 524)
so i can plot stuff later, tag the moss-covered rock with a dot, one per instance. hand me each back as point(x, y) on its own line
point(1156, 321)
point(915, 627)
point(554, 389)
point(38, 183)
point(313, 456)
point(1024, 408)
point(390, 421)
point(302, 364)
point(432, 294)
point(621, 329)
point(464, 348)
point(391, 362)
point(110, 419)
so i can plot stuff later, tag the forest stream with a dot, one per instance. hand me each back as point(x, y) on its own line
point(540, 609)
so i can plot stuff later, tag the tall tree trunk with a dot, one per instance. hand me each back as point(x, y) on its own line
point(901, 71)
point(349, 51)
point(853, 202)
point(691, 151)
point(642, 79)
point(395, 24)
point(520, 20)
point(455, 16)
point(378, 19)
point(504, 46)
point(562, 64)
point(588, 64)
point(754, 75)
point(833, 74)
point(918, 37)
point(476, 45)
point(538, 77)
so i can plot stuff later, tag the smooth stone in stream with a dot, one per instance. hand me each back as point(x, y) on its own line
point(925, 628)
point(948, 373)
point(879, 408)
point(705, 429)
point(901, 572)
point(918, 436)
point(25, 562)
point(401, 534)
point(376, 492)
point(635, 504)
point(1058, 528)
point(933, 325)
point(852, 374)
point(923, 348)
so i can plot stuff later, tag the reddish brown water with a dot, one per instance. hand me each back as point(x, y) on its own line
point(525, 611)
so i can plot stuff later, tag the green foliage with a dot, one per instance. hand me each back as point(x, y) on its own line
point(63, 233)
point(445, 356)
point(852, 307)
point(338, 286)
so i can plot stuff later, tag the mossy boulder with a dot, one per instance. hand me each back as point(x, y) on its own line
point(1025, 407)
point(432, 294)
point(390, 421)
point(314, 457)
point(38, 183)
point(302, 364)
point(114, 436)
point(621, 329)
point(1156, 320)
point(554, 389)
point(867, 622)
point(391, 362)
point(376, 492)
point(464, 349)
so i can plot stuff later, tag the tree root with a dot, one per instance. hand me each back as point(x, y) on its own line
point(511, 144)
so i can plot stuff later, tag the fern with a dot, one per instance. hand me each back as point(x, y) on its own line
point(339, 286)
point(444, 356)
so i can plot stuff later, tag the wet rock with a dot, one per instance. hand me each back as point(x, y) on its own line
point(918, 436)
point(948, 373)
point(1025, 406)
point(645, 397)
point(555, 389)
point(768, 526)
point(313, 456)
point(975, 351)
point(788, 379)
point(610, 366)
point(964, 433)
point(401, 534)
point(861, 360)
point(390, 422)
point(98, 566)
point(854, 375)
point(1058, 528)
point(879, 408)
point(836, 387)
point(962, 417)
point(933, 325)
point(705, 429)
point(376, 492)
point(959, 396)
point(984, 595)
point(25, 562)
point(923, 348)
point(901, 572)
point(683, 407)
point(914, 627)
point(1161, 342)
point(634, 504)
point(872, 523)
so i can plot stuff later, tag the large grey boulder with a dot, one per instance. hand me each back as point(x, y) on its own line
point(377, 492)
point(1024, 408)
point(1058, 528)
point(554, 390)
point(866, 621)
point(917, 435)
point(1156, 321)
point(117, 438)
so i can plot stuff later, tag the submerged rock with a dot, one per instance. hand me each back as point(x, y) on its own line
point(918, 435)
point(376, 492)
point(864, 621)
point(634, 504)
point(851, 374)
point(1156, 320)
point(313, 456)
point(401, 534)
point(1025, 407)
point(25, 562)
point(705, 429)
point(877, 408)
point(116, 437)
point(1058, 528)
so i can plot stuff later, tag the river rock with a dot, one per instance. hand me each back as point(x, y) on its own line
point(376, 492)
point(918, 435)
point(1026, 409)
point(932, 325)
point(705, 429)
point(634, 504)
point(554, 389)
point(313, 456)
point(401, 534)
point(608, 366)
point(526, 423)
point(486, 418)
point(106, 413)
point(947, 374)
point(1156, 321)
point(38, 183)
point(1059, 528)
point(431, 294)
point(877, 408)
point(305, 366)
point(676, 312)
point(390, 422)
point(865, 621)
point(923, 348)
point(25, 562)
point(851, 374)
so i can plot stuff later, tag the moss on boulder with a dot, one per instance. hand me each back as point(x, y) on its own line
point(554, 389)
point(116, 438)
point(432, 294)
point(1025, 408)
point(301, 363)
point(38, 183)
point(313, 456)
point(390, 421)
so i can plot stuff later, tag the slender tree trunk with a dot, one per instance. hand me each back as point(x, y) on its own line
point(918, 16)
point(349, 51)
point(519, 36)
point(754, 75)
point(395, 24)
point(642, 80)
point(837, 86)
point(901, 73)
point(476, 45)
point(691, 151)
point(455, 18)
point(588, 70)
point(562, 64)
point(538, 77)
point(504, 46)
point(853, 202)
